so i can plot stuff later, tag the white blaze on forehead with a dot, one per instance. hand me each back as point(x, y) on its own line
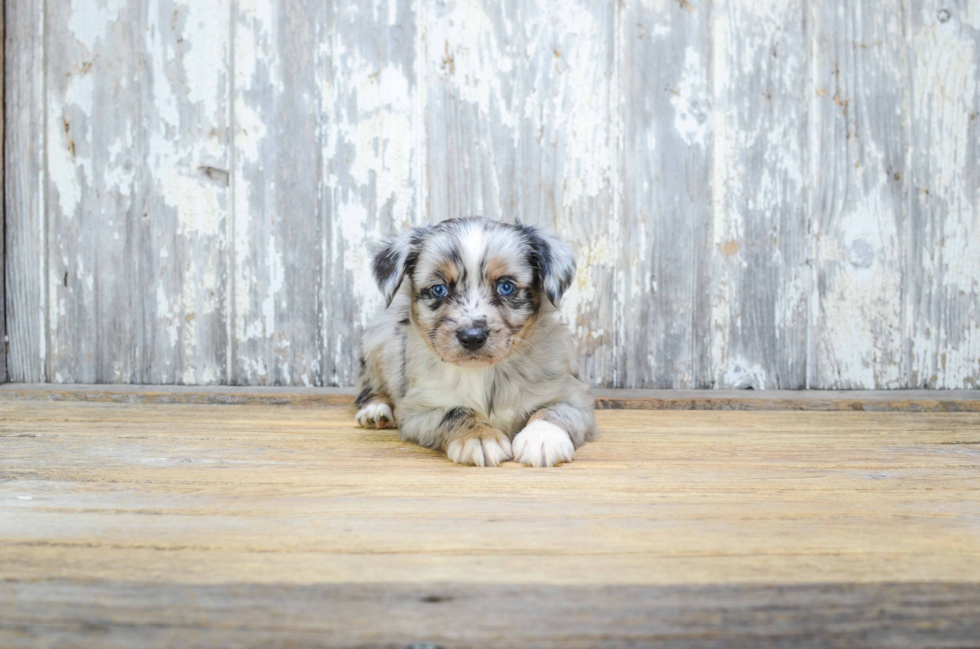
point(473, 248)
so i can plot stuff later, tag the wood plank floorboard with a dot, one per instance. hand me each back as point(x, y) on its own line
point(128, 524)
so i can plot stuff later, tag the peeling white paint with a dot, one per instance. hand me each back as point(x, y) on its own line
point(90, 21)
point(463, 44)
point(945, 352)
point(356, 255)
point(690, 112)
point(861, 309)
point(741, 374)
point(67, 170)
point(517, 110)
point(272, 291)
point(204, 62)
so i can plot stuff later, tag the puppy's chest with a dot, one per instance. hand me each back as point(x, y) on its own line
point(481, 391)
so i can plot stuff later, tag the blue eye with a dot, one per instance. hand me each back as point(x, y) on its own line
point(505, 288)
point(439, 290)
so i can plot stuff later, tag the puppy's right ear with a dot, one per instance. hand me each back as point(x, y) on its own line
point(395, 258)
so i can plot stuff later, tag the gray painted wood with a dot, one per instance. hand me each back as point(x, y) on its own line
point(94, 148)
point(943, 333)
point(759, 284)
point(567, 173)
point(185, 192)
point(774, 196)
point(137, 160)
point(664, 269)
point(372, 134)
point(859, 205)
point(278, 229)
point(3, 299)
point(24, 229)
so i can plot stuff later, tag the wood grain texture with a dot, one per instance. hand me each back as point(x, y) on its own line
point(664, 270)
point(3, 299)
point(944, 191)
point(61, 613)
point(186, 521)
point(760, 280)
point(94, 158)
point(860, 207)
point(24, 211)
point(186, 192)
point(278, 228)
point(137, 158)
point(770, 196)
point(372, 133)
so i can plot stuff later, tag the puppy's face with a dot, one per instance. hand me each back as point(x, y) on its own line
point(476, 286)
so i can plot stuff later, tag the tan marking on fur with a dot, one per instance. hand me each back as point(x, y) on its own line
point(497, 268)
point(475, 428)
point(448, 271)
point(540, 414)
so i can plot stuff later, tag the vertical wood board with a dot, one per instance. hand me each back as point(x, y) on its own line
point(758, 258)
point(3, 298)
point(186, 195)
point(944, 229)
point(859, 167)
point(137, 176)
point(278, 231)
point(24, 170)
point(667, 195)
point(372, 135)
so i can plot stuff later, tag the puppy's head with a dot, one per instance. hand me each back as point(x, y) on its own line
point(476, 286)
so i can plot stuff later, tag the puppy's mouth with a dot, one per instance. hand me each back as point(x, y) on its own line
point(484, 357)
point(472, 360)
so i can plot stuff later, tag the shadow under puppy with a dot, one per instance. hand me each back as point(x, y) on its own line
point(469, 356)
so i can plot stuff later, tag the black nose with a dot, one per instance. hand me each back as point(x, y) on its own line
point(472, 339)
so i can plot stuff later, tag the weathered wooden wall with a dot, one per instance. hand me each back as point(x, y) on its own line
point(777, 194)
point(3, 301)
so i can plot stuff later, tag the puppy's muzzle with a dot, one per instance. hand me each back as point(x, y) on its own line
point(472, 339)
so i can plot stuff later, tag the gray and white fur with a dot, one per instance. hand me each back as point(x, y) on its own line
point(469, 357)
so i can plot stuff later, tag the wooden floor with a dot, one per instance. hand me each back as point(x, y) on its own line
point(148, 525)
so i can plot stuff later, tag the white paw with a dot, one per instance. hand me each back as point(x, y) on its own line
point(376, 414)
point(488, 447)
point(542, 443)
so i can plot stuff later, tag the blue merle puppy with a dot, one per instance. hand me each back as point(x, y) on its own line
point(469, 357)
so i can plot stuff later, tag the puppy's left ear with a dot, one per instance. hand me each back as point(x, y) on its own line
point(395, 258)
point(554, 262)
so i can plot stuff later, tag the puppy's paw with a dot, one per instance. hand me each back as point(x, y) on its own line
point(542, 443)
point(376, 414)
point(483, 446)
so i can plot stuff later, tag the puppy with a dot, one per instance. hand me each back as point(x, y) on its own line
point(469, 357)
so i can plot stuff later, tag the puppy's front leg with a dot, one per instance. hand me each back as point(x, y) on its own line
point(553, 433)
point(465, 436)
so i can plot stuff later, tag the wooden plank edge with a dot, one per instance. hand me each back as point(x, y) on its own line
point(813, 400)
point(179, 394)
point(52, 612)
